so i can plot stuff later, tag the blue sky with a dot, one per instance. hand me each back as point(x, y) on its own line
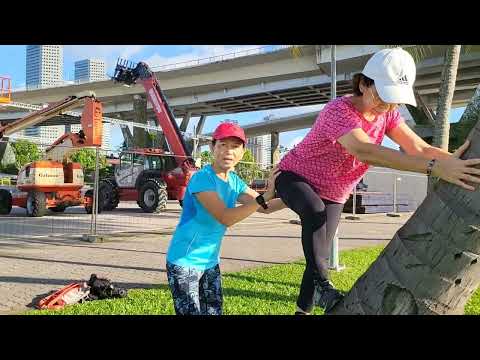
point(13, 60)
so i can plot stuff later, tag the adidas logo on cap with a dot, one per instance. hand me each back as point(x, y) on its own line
point(403, 80)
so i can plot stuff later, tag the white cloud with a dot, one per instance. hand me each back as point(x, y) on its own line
point(130, 50)
point(107, 53)
point(295, 141)
point(110, 53)
point(101, 51)
point(201, 52)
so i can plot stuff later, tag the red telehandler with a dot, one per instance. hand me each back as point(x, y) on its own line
point(149, 176)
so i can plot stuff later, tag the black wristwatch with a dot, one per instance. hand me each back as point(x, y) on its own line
point(261, 201)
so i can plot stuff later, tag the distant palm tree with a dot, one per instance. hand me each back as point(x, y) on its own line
point(441, 130)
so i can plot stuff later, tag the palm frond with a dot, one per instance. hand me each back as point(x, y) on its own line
point(466, 49)
point(418, 52)
point(296, 51)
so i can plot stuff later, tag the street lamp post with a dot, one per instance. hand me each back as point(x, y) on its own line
point(333, 263)
point(395, 207)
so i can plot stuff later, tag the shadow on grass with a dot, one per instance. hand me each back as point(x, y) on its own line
point(227, 291)
point(264, 295)
point(255, 279)
point(264, 236)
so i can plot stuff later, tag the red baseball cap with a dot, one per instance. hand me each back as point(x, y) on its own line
point(226, 129)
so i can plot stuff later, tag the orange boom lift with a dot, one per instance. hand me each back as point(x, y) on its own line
point(55, 182)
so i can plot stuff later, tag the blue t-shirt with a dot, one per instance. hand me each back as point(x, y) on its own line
point(198, 236)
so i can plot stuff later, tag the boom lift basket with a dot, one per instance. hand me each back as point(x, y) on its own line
point(5, 90)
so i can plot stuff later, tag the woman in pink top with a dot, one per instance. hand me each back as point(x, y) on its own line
point(319, 174)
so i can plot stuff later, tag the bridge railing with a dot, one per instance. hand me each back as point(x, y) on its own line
point(219, 58)
point(173, 66)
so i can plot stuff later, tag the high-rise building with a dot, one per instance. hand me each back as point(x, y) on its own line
point(44, 66)
point(260, 146)
point(45, 135)
point(89, 70)
point(32, 131)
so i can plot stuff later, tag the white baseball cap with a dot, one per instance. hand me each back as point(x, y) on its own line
point(393, 71)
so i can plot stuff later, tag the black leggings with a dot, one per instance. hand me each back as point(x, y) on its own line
point(320, 218)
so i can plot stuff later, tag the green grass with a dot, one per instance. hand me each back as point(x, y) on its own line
point(263, 291)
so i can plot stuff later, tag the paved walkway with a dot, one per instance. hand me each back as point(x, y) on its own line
point(30, 267)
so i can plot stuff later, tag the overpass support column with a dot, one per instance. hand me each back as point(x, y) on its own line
point(140, 136)
point(274, 147)
point(201, 122)
point(185, 121)
point(127, 136)
point(157, 138)
point(195, 143)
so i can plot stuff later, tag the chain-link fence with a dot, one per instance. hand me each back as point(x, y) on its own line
point(53, 196)
point(388, 191)
point(55, 193)
point(47, 190)
point(381, 190)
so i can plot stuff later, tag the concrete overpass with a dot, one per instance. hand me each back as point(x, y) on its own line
point(259, 82)
point(291, 123)
point(294, 122)
point(265, 81)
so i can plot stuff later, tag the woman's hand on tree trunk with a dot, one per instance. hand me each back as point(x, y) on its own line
point(457, 171)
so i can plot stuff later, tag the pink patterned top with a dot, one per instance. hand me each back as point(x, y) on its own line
point(323, 162)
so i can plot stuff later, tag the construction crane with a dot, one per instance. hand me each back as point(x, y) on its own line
point(55, 182)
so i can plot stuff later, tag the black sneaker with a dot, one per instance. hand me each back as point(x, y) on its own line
point(301, 313)
point(326, 296)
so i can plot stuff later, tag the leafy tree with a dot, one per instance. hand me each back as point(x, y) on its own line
point(9, 169)
point(86, 157)
point(247, 169)
point(207, 157)
point(25, 152)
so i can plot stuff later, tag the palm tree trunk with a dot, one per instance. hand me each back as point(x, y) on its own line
point(445, 96)
point(431, 265)
point(441, 130)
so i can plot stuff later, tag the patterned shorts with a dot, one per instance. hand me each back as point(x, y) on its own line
point(195, 292)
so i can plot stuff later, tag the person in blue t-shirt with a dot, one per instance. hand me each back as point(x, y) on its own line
point(209, 207)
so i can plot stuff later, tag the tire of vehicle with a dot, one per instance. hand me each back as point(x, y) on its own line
point(5, 202)
point(153, 196)
point(36, 204)
point(88, 208)
point(58, 209)
point(109, 190)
